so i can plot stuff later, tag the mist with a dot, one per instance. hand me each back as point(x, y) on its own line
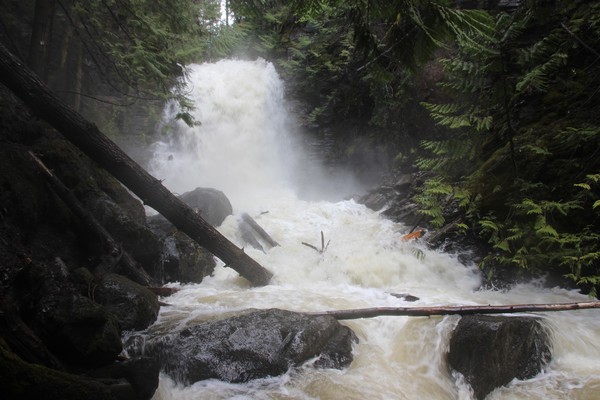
point(246, 145)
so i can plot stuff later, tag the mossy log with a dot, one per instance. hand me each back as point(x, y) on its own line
point(88, 138)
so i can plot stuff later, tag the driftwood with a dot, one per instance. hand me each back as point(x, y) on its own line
point(88, 138)
point(118, 255)
point(259, 230)
point(454, 310)
point(248, 236)
point(323, 245)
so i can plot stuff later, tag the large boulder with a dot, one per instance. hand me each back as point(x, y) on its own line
point(252, 345)
point(136, 237)
point(23, 380)
point(130, 380)
point(490, 351)
point(73, 326)
point(212, 204)
point(138, 378)
point(184, 260)
point(134, 306)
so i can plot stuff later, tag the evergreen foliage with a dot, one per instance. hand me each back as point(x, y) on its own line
point(137, 46)
point(357, 57)
point(522, 140)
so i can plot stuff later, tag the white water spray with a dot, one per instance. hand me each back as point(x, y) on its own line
point(244, 147)
point(244, 144)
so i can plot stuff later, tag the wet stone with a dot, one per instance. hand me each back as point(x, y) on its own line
point(249, 346)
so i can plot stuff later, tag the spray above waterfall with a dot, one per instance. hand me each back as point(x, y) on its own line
point(244, 144)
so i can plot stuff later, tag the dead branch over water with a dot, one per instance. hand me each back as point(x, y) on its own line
point(454, 310)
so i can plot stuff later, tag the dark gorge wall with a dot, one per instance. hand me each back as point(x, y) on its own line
point(60, 316)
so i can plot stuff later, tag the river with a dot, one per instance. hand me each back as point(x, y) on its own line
point(247, 147)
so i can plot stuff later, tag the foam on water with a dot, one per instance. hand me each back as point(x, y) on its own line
point(244, 147)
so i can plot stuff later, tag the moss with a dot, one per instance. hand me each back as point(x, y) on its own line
point(22, 380)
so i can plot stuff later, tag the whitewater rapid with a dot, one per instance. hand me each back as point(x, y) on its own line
point(246, 147)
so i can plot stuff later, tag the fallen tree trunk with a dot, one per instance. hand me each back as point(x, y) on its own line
point(114, 249)
point(454, 310)
point(88, 138)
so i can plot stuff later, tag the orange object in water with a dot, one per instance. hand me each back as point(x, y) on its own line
point(413, 235)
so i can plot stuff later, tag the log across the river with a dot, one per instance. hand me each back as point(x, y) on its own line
point(15, 75)
point(454, 310)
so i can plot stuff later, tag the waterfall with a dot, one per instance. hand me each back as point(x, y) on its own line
point(246, 146)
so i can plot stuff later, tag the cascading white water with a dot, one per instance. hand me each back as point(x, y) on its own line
point(244, 147)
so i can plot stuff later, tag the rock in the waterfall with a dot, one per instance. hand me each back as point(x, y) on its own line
point(490, 351)
point(252, 345)
point(394, 188)
point(211, 204)
point(134, 306)
point(183, 260)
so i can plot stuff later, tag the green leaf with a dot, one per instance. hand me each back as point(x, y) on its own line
point(503, 245)
point(488, 225)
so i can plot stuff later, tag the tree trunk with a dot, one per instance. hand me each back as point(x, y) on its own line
point(41, 35)
point(454, 310)
point(118, 256)
point(87, 137)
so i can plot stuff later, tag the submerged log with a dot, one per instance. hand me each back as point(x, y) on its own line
point(454, 310)
point(259, 230)
point(88, 138)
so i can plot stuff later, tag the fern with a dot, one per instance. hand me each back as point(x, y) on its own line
point(540, 77)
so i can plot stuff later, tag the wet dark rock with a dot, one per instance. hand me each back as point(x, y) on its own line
point(377, 199)
point(182, 259)
point(252, 345)
point(388, 193)
point(212, 204)
point(75, 328)
point(394, 199)
point(23, 380)
point(48, 315)
point(405, 296)
point(134, 234)
point(134, 306)
point(490, 351)
point(137, 378)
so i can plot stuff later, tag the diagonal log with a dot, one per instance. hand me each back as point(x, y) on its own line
point(114, 249)
point(454, 310)
point(88, 138)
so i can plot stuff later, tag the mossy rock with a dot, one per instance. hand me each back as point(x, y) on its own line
point(22, 380)
point(75, 328)
point(134, 306)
